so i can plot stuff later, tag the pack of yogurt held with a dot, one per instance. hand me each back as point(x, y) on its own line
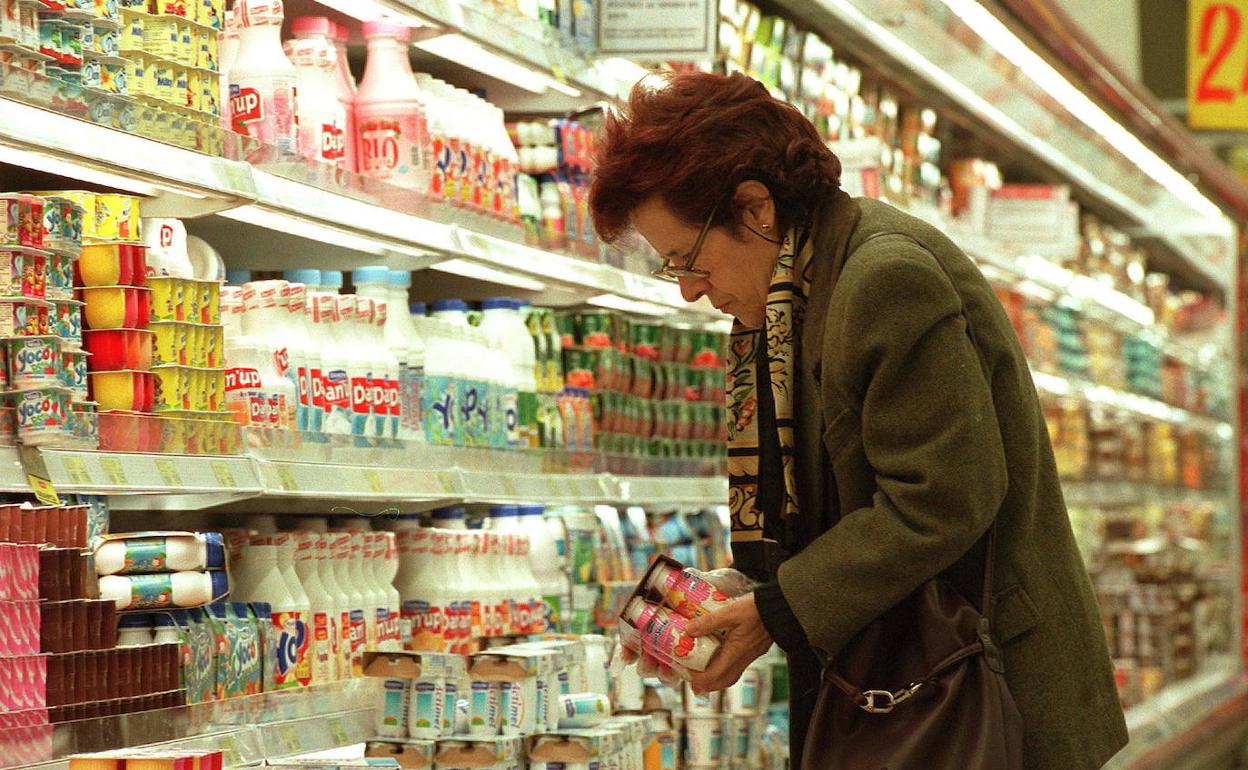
point(653, 621)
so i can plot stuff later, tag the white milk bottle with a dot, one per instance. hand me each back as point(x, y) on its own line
point(285, 632)
point(507, 165)
point(474, 404)
point(266, 313)
point(361, 583)
point(374, 560)
point(346, 93)
point(286, 546)
point(305, 349)
point(322, 117)
point(374, 283)
point(386, 566)
point(227, 53)
point(323, 31)
point(426, 600)
point(545, 562)
point(436, 147)
point(359, 365)
point(244, 386)
point(335, 600)
point(498, 317)
point(335, 386)
point(407, 343)
point(467, 547)
point(415, 566)
point(320, 604)
point(445, 356)
point(263, 81)
point(389, 111)
point(352, 625)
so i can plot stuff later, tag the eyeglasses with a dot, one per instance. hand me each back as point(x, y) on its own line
point(670, 272)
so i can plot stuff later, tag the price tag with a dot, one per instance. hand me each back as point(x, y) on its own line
point(225, 477)
point(552, 485)
point(289, 739)
point(447, 480)
point(374, 481)
point(509, 486)
point(1217, 64)
point(114, 471)
point(43, 489)
point(286, 477)
point(76, 469)
point(168, 471)
point(338, 731)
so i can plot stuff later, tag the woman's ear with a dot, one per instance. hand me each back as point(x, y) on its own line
point(754, 206)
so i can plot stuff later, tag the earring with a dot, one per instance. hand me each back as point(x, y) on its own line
point(765, 228)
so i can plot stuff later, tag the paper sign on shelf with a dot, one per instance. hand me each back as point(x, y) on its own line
point(1217, 64)
point(657, 30)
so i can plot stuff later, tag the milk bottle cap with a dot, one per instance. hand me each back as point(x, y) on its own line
point(332, 279)
point(341, 33)
point(417, 308)
point(449, 305)
point(311, 25)
point(532, 510)
point(305, 277)
point(400, 278)
point(239, 277)
point(497, 303)
point(387, 29)
point(370, 275)
point(453, 513)
point(125, 622)
point(504, 511)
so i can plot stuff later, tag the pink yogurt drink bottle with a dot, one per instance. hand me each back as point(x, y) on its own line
point(390, 111)
point(319, 29)
point(684, 592)
point(663, 636)
point(262, 82)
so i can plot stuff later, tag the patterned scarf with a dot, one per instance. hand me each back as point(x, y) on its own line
point(786, 308)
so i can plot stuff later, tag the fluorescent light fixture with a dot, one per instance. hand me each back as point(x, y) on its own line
point(1009, 45)
point(294, 225)
point(616, 302)
point(1045, 272)
point(1085, 288)
point(469, 269)
point(469, 53)
point(84, 173)
point(372, 10)
point(622, 72)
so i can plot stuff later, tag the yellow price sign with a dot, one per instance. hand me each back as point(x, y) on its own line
point(168, 471)
point(509, 486)
point(286, 477)
point(76, 468)
point(338, 731)
point(1217, 64)
point(114, 472)
point(44, 491)
point(447, 480)
point(374, 480)
point(552, 485)
point(225, 477)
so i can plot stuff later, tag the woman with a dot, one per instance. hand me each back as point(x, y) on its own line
point(873, 438)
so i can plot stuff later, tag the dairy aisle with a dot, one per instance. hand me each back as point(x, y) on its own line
point(328, 425)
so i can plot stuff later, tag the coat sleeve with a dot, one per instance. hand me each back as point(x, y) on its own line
point(896, 349)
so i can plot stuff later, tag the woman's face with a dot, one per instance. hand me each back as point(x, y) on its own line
point(739, 265)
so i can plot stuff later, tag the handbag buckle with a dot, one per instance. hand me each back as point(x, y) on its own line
point(869, 701)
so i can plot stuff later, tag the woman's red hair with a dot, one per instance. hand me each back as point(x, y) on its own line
point(692, 138)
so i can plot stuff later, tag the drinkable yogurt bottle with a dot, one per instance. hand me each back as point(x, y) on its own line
point(390, 112)
point(263, 81)
point(443, 356)
point(321, 31)
point(321, 605)
point(352, 623)
point(305, 348)
point(427, 595)
point(386, 567)
point(322, 117)
point(385, 343)
point(265, 320)
point(287, 634)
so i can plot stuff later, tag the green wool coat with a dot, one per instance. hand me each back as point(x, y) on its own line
point(905, 455)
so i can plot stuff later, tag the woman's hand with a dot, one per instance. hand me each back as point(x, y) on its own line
point(745, 640)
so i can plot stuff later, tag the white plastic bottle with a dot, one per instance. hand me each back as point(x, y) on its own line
point(479, 386)
point(438, 149)
point(227, 53)
point(336, 600)
point(358, 362)
point(287, 646)
point(355, 623)
point(322, 30)
point(263, 81)
point(426, 596)
point(498, 319)
point(368, 599)
point(389, 110)
point(321, 605)
point(335, 388)
point(546, 565)
point(265, 318)
point(305, 355)
point(444, 356)
point(386, 343)
point(414, 564)
point(322, 117)
point(407, 343)
point(386, 567)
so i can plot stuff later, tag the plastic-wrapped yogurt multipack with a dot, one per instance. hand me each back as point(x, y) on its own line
point(653, 621)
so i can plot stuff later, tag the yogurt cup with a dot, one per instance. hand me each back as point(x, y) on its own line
point(74, 373)
point(58, 281)
point(34, 362)
point(116, 307)
point(23, 273)
point(114, 349)
point(41, 414)
point(8, 421)
point(116, 216)
point(704, 741)
point(172, 342)
point(84, 423)
point(65, 321)
point(125, 390)
point(23, 317)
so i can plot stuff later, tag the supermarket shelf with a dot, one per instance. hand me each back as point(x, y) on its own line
point(1116, 493)
point(283, 199)
point(247, 729)
point(1055, 385)
point(1172, 714)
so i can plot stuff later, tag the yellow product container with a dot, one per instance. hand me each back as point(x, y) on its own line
point(87, 201)
point(209, 50)
point(188, 47)
point(175, 433)
point(209, 302)
point(212, 14)
point(216, 388)
point(181, 86)
point(188, 290)
point(196, 345)
point(192, 37)
point(184, 9)
point(173, 387)
point(171, 343)
point(116, 217)
point(166, 298)
point(161, 37)
point(194, 89)
point(100, 264)
point(132, 31)
point(136, 76)
point(113, 78)
point(215, 349)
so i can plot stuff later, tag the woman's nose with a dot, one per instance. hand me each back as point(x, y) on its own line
point(693, 287)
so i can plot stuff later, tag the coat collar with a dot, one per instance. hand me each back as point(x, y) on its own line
point(834, 226)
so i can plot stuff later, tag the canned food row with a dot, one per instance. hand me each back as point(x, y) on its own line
point(606, 369)
point(664, 448)
point(599, 329)
point(620, 413)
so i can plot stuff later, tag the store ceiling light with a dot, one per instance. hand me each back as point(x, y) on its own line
point(50, 164)
point(623, 304)
point(294, 225)
point(480, 272)
point(1075, 101)
point(469, 53)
